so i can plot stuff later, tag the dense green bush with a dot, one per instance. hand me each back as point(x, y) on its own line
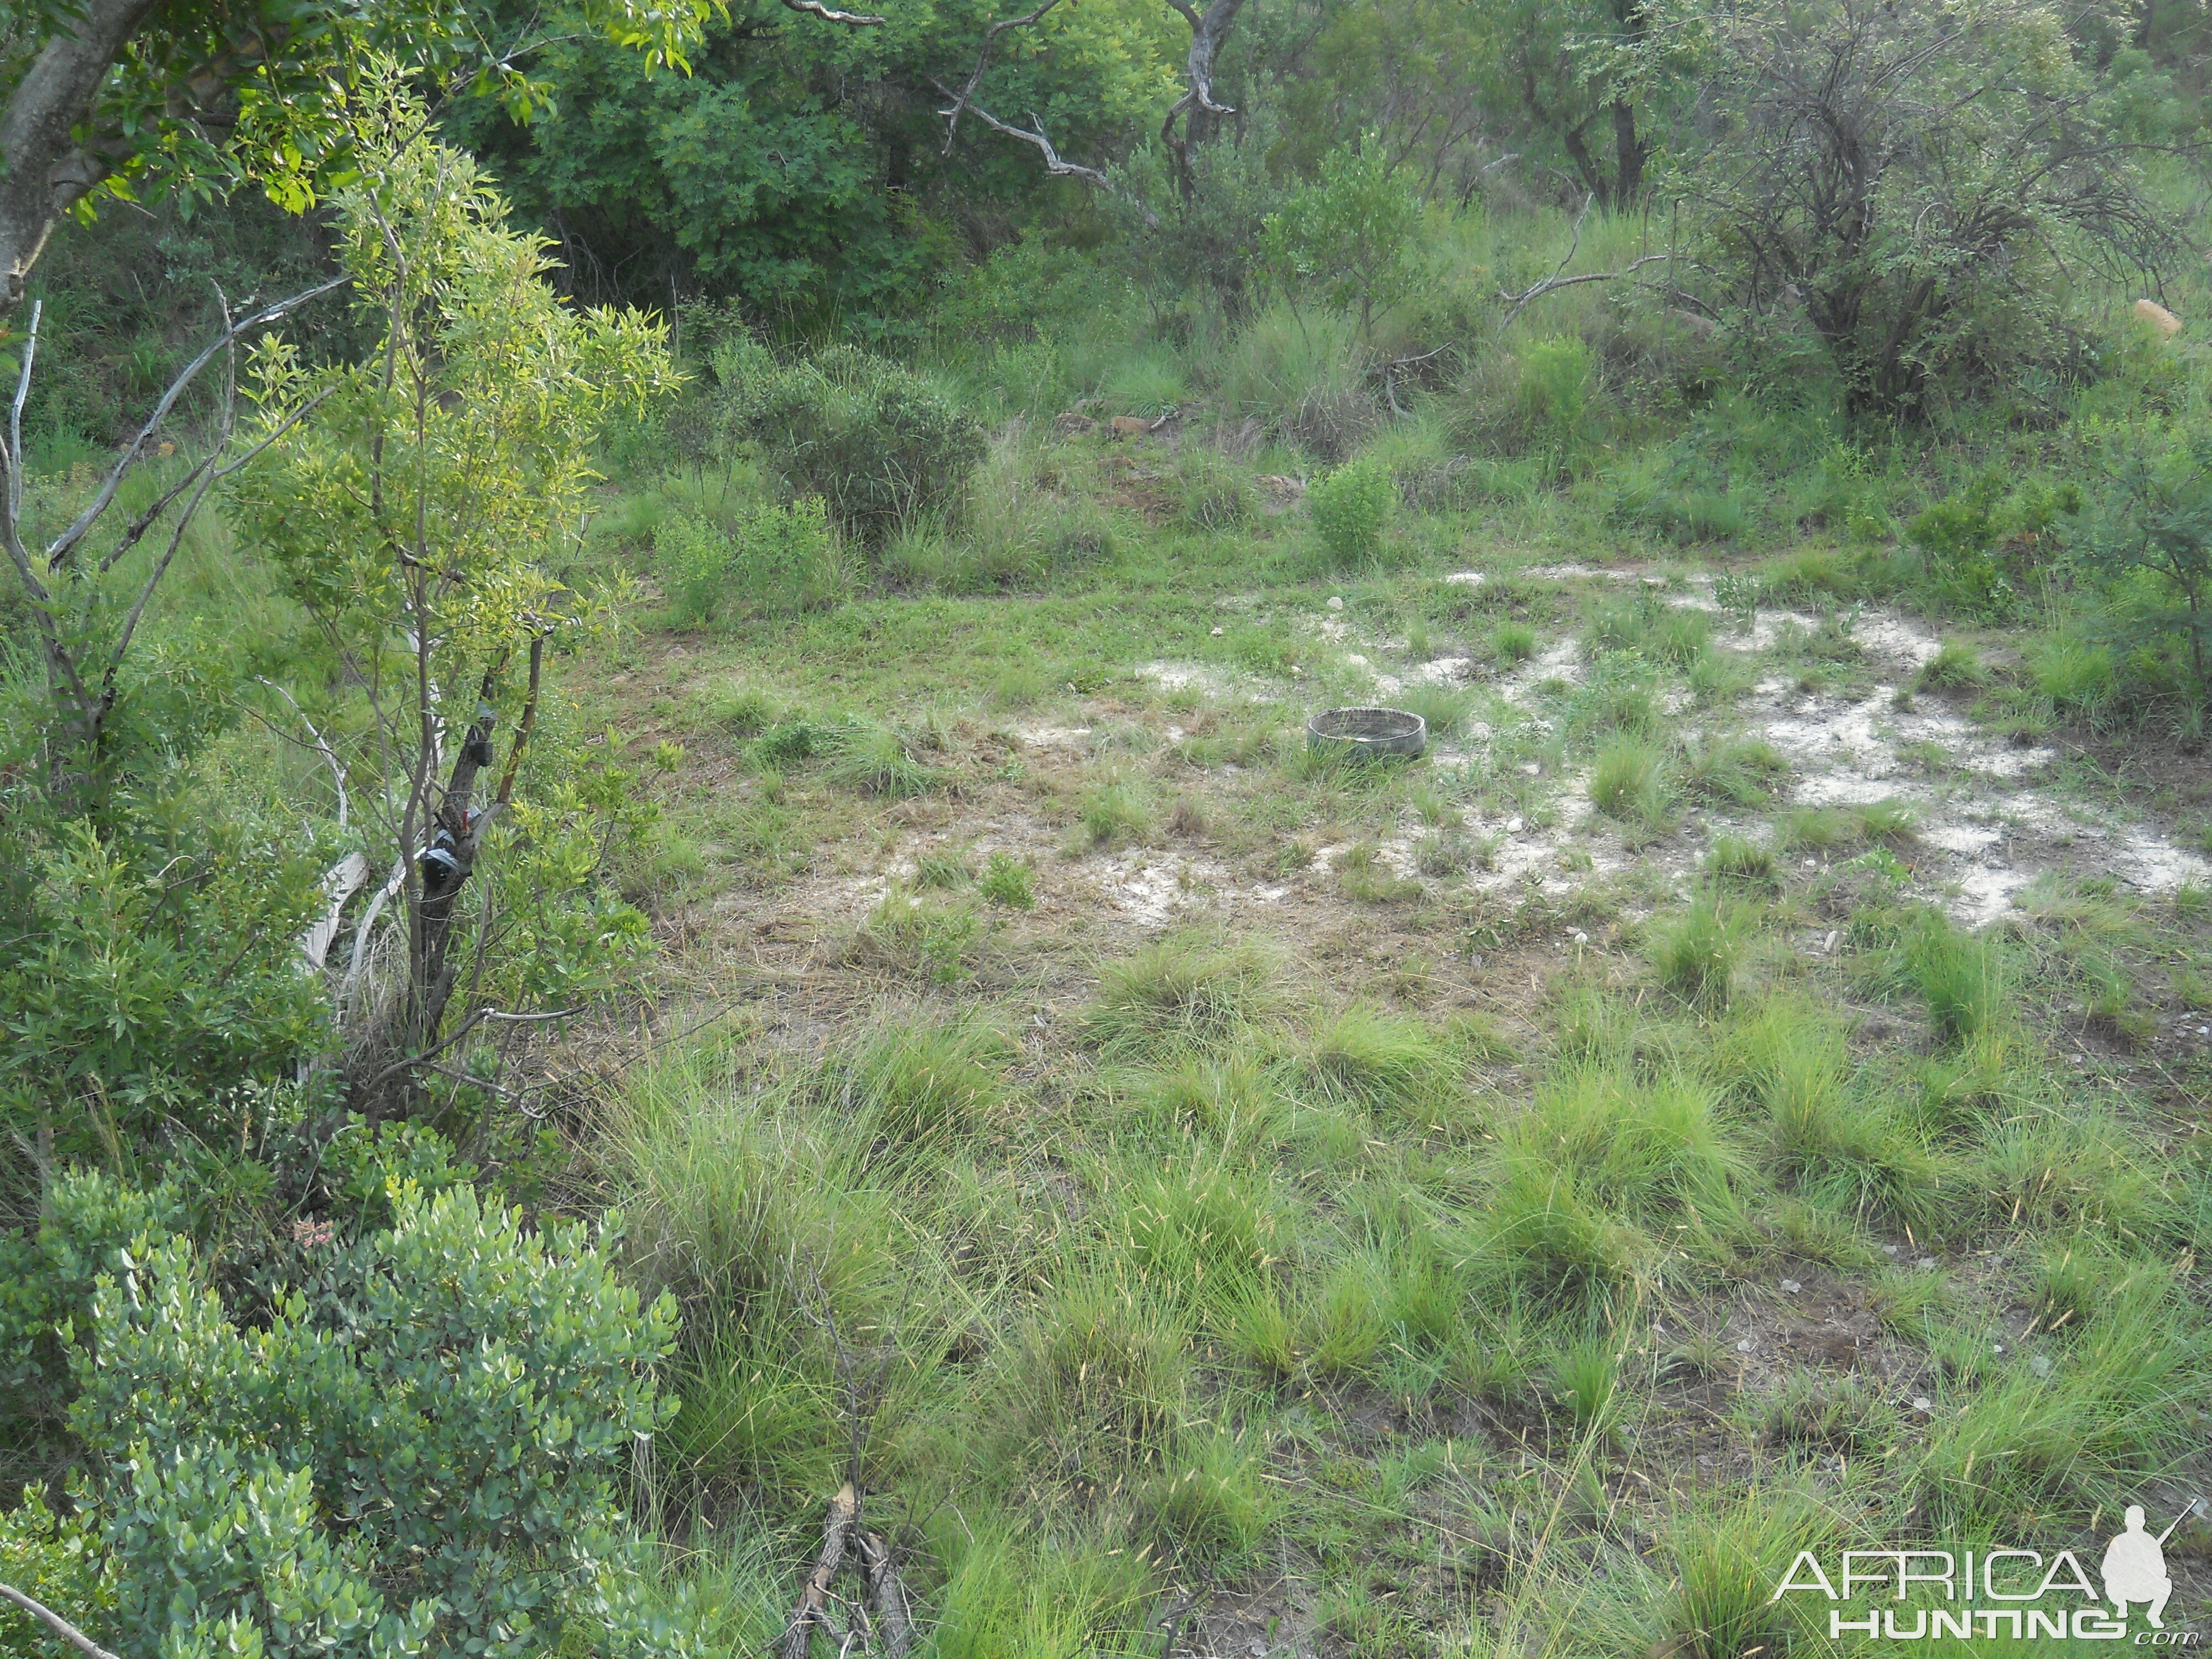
point(1349, 234)
point(773, 558)
point(415, 1450)
point(1847, 140)
point(1350, 509)
point(2154, 527)
point(876, 442)
point(1982, 545)
point(153, 966)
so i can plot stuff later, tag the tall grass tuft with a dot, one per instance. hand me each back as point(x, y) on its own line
point(1186, 991)
point(1696, 954)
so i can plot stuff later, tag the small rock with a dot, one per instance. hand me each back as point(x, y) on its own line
point(1513, 826)
point(1468, 578)
point(1829, 944)
point(2150, 310)
point(1925, 1262)
point(1746, 1346)
point(1923, 1403)
point(2040, 1364)
point(1812, 863)
point(1791, 1287)
point(1336, 601)
point(1581, 937)
point(1891, 1250)
point(1217, 633)
point(1533, 768)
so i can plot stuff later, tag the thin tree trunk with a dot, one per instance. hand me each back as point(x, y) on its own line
point(47, 170)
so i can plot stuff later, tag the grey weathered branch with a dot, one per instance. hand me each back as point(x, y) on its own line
point(1553, 284)
point(962, 99)
point(850, 19)
point(1208, 31)
point(813, 1608)
point(63, 545)
point(1054, 165)
point(54, 1622)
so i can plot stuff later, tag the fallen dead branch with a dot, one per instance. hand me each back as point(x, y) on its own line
point(883, 1621)
point(60, 1626)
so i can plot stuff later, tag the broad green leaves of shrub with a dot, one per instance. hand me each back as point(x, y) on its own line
point(420, 1456)
point(1350, 508)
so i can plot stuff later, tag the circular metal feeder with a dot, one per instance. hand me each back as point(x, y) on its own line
point(1367, 733)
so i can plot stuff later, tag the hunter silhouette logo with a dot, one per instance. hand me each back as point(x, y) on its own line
point(2133, 1568)
point(1999, 1595)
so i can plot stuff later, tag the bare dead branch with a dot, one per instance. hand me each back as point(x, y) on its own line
point(522, 732)
point(54, 1622)
point(15, 414)
point(813, 1608)
point(887, 1596)
point(850, 19)
point(1054, 167)
point(1552, 285)
point(63, 545)
point(320, 744)
point(967, 93)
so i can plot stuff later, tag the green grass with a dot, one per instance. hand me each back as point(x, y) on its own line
point(1188, 991)
point(1512, 643)
point(876, 761)
point(1733, 772)
point(1746, 863)
point(1115, 812)
point(1696, 955)
point(1443, 706)
point(1390, 1237)
point(1629, 780)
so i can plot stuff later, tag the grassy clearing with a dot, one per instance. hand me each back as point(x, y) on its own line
point(1506, 1203)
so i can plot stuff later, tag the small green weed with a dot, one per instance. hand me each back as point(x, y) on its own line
point(1007, 882)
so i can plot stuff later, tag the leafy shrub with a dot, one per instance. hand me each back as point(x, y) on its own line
point(1350, 233)
point(1551, 400)
point(774, 558)
point(1910, 307)
point(875, 441)
point(1983, 544)
point(462, 1392)
point(153, 967)
point(1006, 881)
point(1350, 509)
